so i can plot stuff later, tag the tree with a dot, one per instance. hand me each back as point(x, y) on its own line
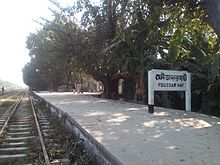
point(124, 39)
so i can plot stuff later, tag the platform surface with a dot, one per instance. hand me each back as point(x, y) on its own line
point(135, 137)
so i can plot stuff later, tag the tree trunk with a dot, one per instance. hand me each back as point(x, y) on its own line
point(142, 86)
point(140, 93)
point(111, 88)
point(111, 20)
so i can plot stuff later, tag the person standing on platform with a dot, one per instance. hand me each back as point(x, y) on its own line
point(74, 88)
point(82, 90)
point(3, 89)
point(78, 88)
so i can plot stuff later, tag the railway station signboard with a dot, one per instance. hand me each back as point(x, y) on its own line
point(168, 80)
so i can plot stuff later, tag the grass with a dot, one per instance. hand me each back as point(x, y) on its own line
point(7, 102)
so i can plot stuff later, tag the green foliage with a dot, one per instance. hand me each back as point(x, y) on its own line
point(205, 70)
point(127, 38)
point(215, 69)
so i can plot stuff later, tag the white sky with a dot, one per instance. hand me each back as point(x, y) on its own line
point(16, 17)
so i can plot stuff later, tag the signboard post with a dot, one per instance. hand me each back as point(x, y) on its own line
point(168, 80)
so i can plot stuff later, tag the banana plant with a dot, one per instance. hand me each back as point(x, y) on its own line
point(205, 69)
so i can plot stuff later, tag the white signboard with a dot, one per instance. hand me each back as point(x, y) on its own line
point(169, 80)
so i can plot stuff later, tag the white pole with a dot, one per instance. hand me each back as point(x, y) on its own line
point(188, 93)
point(150, 93)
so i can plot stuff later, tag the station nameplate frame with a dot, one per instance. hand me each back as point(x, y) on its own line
point(169, 80)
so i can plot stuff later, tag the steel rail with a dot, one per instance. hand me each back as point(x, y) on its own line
point(10, 94)
point(8, 118)
point(47, 161)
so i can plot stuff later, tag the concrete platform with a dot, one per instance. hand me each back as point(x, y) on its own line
point(135, 137)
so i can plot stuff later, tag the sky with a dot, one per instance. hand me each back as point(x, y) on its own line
point(16, 18)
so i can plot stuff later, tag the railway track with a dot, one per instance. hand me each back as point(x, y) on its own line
point(9, 94)
point(17, 131)
point(29, 135)
point(20, 132)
